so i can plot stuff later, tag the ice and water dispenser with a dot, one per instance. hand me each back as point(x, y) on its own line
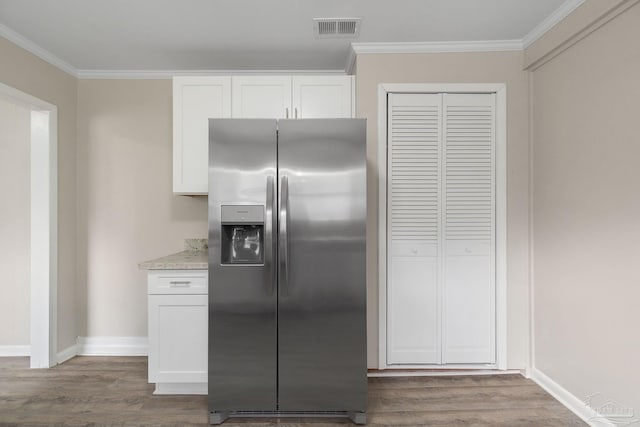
point(242, 234)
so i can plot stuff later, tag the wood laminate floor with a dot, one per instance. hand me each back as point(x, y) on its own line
point(110, 391)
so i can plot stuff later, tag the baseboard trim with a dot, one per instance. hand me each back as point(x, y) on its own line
point(181, 388)
point(440, 373)
point(15, 350)
point(564, 396)
point(112, 346)
point(68, 353)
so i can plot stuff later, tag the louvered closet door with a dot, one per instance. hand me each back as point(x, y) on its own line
point(441, 229)
point(469, 228)
point(413, 329)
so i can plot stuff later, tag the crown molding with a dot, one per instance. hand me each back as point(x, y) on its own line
point(436, 47)
point(52, 59)
point(587, 27)
point(558, 15)
point(351, 60)
point(167, 74)
point(38, 51)
point(355, 49)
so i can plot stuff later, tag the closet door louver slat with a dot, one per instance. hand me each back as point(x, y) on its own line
point(414, 144)
point(469, 166)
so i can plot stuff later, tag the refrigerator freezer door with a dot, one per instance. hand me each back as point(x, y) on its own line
point(322, 295)
point(242, 297)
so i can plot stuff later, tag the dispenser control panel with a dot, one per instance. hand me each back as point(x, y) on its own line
point(245, 214)
point(242, 237)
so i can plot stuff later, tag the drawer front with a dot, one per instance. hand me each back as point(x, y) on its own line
point(172, 282)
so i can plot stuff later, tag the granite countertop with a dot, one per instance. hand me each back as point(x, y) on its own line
point(194, 257)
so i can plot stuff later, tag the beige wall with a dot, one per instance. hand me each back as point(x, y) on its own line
point(126, 210)
point(585, 18)
point(25, 72)
point(15, 140)
point(492, 67)
point(587, 214)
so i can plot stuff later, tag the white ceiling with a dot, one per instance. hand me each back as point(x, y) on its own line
point(252, 34)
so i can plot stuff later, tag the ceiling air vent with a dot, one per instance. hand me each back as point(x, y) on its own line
point(336, 27)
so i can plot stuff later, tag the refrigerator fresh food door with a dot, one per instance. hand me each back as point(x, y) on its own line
point(242, 293)
point(322, 295)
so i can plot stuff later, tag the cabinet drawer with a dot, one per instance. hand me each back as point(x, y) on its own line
point(171, 282)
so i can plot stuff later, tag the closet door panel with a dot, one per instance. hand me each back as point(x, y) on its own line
point(469, 228)
point(469, 307)
point(413, 319)
point(413, 326)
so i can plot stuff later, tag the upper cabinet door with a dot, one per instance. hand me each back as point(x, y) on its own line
point(261, 97)
point(195, 100)
point(322, 97)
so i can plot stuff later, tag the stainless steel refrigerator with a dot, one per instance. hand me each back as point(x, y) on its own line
point(287, 296)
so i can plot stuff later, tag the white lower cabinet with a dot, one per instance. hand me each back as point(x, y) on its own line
point(178, 327)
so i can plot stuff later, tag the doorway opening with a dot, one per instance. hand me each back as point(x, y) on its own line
point(43, 197)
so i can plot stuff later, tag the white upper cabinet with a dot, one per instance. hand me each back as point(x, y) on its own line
point(261, 97)
point(297, 97)
point(195, 100)
point(322, 97)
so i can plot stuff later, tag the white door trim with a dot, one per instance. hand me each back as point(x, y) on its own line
point(44, 225)
point(500, 90)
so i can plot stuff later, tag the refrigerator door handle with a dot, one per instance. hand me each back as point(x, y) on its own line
point(283, 261)
point(270, 269)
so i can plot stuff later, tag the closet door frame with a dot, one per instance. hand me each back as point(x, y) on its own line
point(500, 91)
